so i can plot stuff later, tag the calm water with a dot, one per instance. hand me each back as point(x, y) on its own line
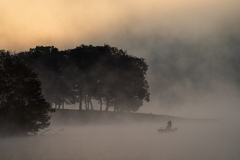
point(196, 141)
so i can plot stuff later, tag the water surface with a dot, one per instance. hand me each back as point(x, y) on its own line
point(192, 141)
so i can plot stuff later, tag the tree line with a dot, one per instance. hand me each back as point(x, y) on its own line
point(34, 82)
point(104, 74)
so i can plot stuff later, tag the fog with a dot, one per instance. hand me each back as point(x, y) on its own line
point(208, 141)
point(192, 49)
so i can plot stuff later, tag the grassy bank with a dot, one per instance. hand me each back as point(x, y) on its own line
point(101, 117)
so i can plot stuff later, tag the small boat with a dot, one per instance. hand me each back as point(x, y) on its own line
point(167, 130)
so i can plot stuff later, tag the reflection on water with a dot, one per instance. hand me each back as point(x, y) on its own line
point(213, 141)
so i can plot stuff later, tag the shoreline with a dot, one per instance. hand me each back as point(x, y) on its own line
point(68, 116)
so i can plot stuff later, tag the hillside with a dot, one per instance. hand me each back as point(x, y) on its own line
point(100, 117)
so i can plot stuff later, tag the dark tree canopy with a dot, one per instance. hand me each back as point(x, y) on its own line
point(23, 109)
point(102, 73)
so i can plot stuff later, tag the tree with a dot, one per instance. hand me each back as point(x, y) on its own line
point(23, 109)
point(101, 73)
point(130, 87)
point(47, 62)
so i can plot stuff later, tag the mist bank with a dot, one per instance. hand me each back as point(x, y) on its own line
point(193, 67)
point(75, 117)
point(192, 141)
point(191, 47)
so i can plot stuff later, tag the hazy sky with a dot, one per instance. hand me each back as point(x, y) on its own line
point(68, 23)
point(191, 46)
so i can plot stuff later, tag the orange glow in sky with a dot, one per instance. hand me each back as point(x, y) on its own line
point(68, 23)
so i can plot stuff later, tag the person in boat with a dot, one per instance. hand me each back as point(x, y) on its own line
point(169, 125)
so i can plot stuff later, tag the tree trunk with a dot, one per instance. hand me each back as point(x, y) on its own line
point(107, 105)
point(90, 101)
point(80, 104)
point(100, 103)
point(86, 102)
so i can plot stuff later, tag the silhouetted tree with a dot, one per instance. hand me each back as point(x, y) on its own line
point(102, 73)
point(48, 63)
point(23, 109)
